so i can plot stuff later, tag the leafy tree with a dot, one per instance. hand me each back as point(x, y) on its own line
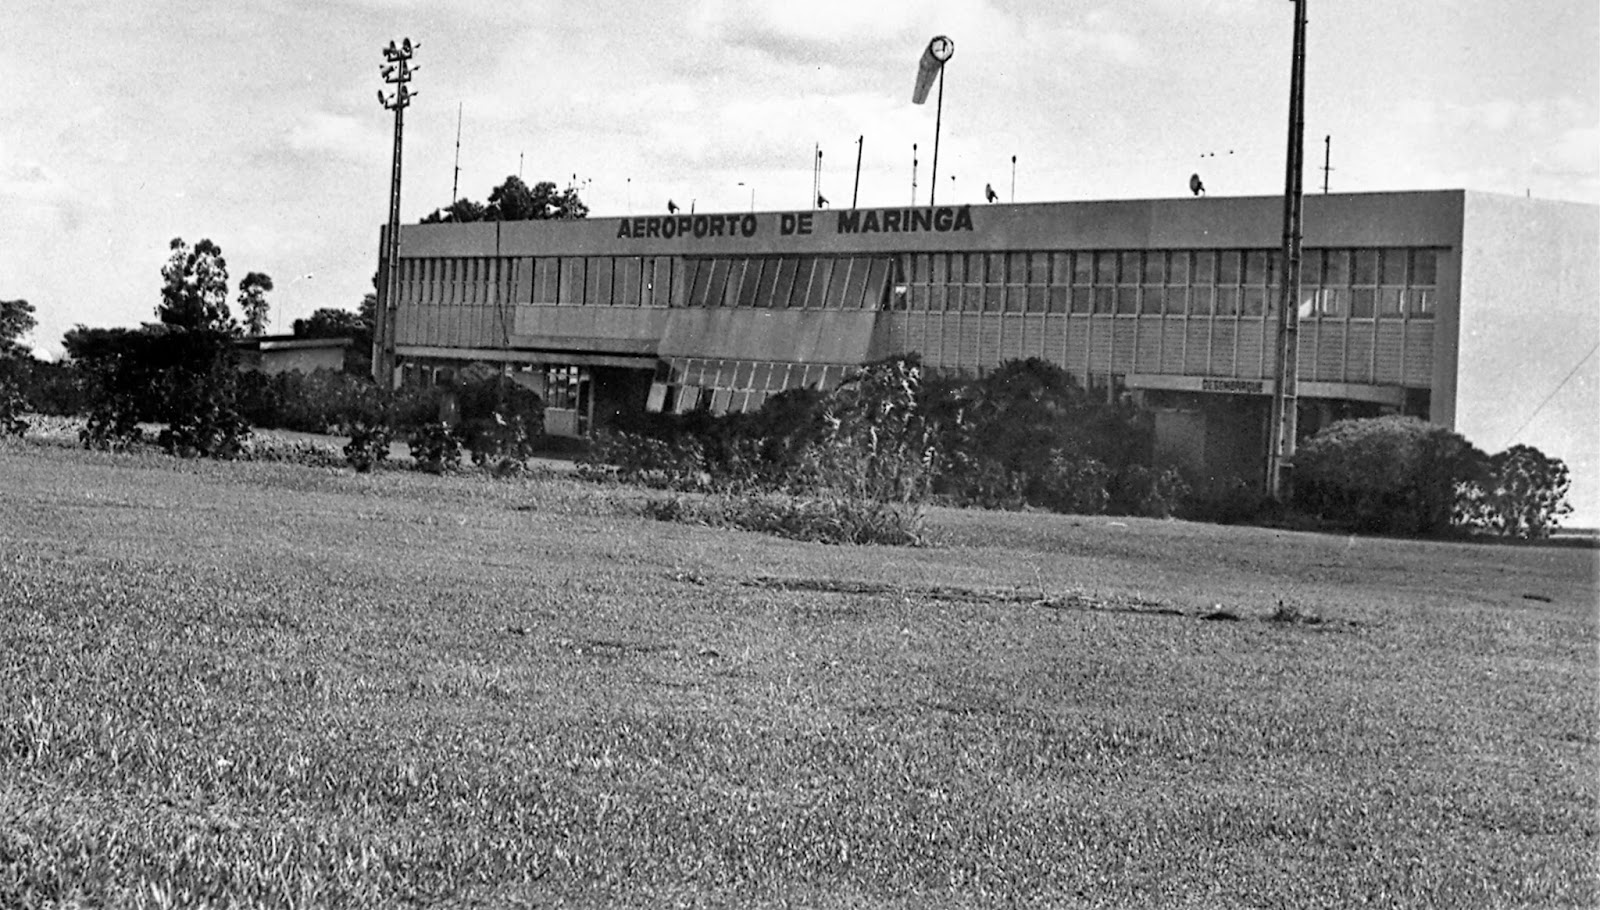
point(1521, 492)
point(182, 372)
point(461, 211)
point(194, 289)
point(514, 200)
point(335, 323)
point(16, 320)
point(253, 302)
point(329, 322)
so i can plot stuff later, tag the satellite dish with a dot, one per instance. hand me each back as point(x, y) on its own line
point(1195, 186)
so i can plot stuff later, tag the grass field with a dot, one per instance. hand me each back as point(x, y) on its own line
point(264, 684)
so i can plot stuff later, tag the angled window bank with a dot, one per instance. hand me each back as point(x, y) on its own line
point(1453, 306)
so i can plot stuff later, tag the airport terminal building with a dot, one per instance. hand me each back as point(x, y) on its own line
point(1458, 307)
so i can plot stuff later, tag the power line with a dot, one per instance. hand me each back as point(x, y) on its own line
point(1559, 386)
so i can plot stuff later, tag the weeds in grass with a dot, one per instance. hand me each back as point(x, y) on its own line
point(1291, 614)
point(265, 447)
point(820, 519)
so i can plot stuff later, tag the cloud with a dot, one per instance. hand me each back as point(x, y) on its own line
point(31, 192)
point(339, 135)
point(1550, 146)
point(1577, 151)
point(799, 29)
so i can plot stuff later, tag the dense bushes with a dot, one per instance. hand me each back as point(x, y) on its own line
point(1401, 475)
point(498, 420)
point(855, 466)
point(862, 460)
point(1392, 474)
point(188, 379)
point(1026, 434)
point(184, 378)
point(1023, 435)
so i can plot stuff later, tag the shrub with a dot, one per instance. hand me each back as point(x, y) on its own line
point(110, 427)
point(677, 464)
point(185, 378)
point(368, 447)
point(1150, 492)
point(1073, 483)
point(44, 387)
point(11, 409)
point(435, 448)
point(1027, 434)
point(504, 447)
point(1392, 474)
point(199, 374)
point(1520, 493)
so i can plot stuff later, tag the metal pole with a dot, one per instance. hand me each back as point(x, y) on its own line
point(913, 173)
point(816, 177)
point(938, 119)
point(396, 72)
point(1285, 399)
point(385, 363)
point(1327, 161)
point(455, 180)
point(1013, 178)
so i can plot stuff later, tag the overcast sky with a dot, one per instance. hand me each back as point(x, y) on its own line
point(257, 125)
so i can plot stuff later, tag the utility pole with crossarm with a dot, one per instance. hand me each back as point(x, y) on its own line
point(397, 70)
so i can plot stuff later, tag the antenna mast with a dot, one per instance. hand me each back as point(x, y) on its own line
point(1327, 158)
point(455, 180)
point(856, 193)
point(913, 173)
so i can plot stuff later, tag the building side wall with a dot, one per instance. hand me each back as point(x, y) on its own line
point(1530, 315)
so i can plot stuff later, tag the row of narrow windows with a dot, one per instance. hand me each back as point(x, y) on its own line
point(1335, 283)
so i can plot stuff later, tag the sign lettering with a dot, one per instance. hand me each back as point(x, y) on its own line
point(943, 219)
point(1233, 386)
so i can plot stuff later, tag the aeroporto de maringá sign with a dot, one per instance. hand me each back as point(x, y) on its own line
point(941, 219)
